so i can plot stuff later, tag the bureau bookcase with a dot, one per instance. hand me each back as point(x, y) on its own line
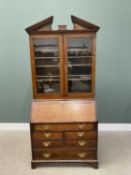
point(63, 115)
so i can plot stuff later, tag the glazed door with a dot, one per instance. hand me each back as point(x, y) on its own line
point(47, 66)
point(79, 62)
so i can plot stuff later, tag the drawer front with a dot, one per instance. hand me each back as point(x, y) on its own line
point(60, 127)
point(46, 144)
point(68, 143)
point(81, 135)
point(82, 143)
point(80, 154)
point(47, 135)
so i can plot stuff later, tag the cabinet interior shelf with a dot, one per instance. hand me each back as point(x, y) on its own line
point(78, 79)
point(56, 78)
point(70, 57)
point(50, 50)
point(39, 58)
point(70, 65)
point(46, 45)
point(81, 56)
point(82, 65)
point(51, 65)
point(78, 49)
point(80, 75)
point(70, 79)
point(47, 79)
point(44, 76)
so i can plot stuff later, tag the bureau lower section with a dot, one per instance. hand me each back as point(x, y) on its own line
point(70, 142)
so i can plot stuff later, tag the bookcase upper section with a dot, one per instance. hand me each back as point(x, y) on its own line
point(63, 61)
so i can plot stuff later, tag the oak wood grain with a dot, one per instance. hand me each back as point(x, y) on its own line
point(63, 111)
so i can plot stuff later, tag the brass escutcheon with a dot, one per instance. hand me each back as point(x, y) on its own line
point(81, 126)
point(80, 134)
point(48, 134)
point(46, 155)
point(81, 143)
point(46, 143)
point(46, 127)
point(82, 154)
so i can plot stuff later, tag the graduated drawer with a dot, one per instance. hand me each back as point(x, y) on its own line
point(81, 135)
point(82, 143)
point(69, 154)
point(59, 127)
point(47, 135)
point(46, 144)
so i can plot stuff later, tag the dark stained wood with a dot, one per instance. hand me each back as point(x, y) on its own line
point(81, 143)
point(33, 67)
point(81, 135)
point(61, 32)
point(44, 23)
point(64, 126)
point(86, 143)
point(39, 144)
point(57, 154)
point(47, 135)
point(87, 163)
point(91, 27)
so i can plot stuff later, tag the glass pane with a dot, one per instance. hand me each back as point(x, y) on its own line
point(47, 65)
point(79, 64)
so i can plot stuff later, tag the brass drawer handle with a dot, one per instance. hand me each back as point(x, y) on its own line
point(82, 143)
point(82, 154)
point(81, 126)
point(46, 127)
point(48, 134)
point(80, 134)
point(46, 144)
point(46, 155)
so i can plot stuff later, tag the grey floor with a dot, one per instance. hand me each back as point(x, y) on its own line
point(114, 156)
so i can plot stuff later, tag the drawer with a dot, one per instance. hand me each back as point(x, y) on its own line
point(82, 143)
point(46, 144)
point(71, 154)
point(81, 135)
point(47, 135)
point(60, 127)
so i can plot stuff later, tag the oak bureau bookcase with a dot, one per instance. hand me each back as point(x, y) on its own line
point(63, 122)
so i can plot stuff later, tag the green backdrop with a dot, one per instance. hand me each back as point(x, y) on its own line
point(113, 67)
